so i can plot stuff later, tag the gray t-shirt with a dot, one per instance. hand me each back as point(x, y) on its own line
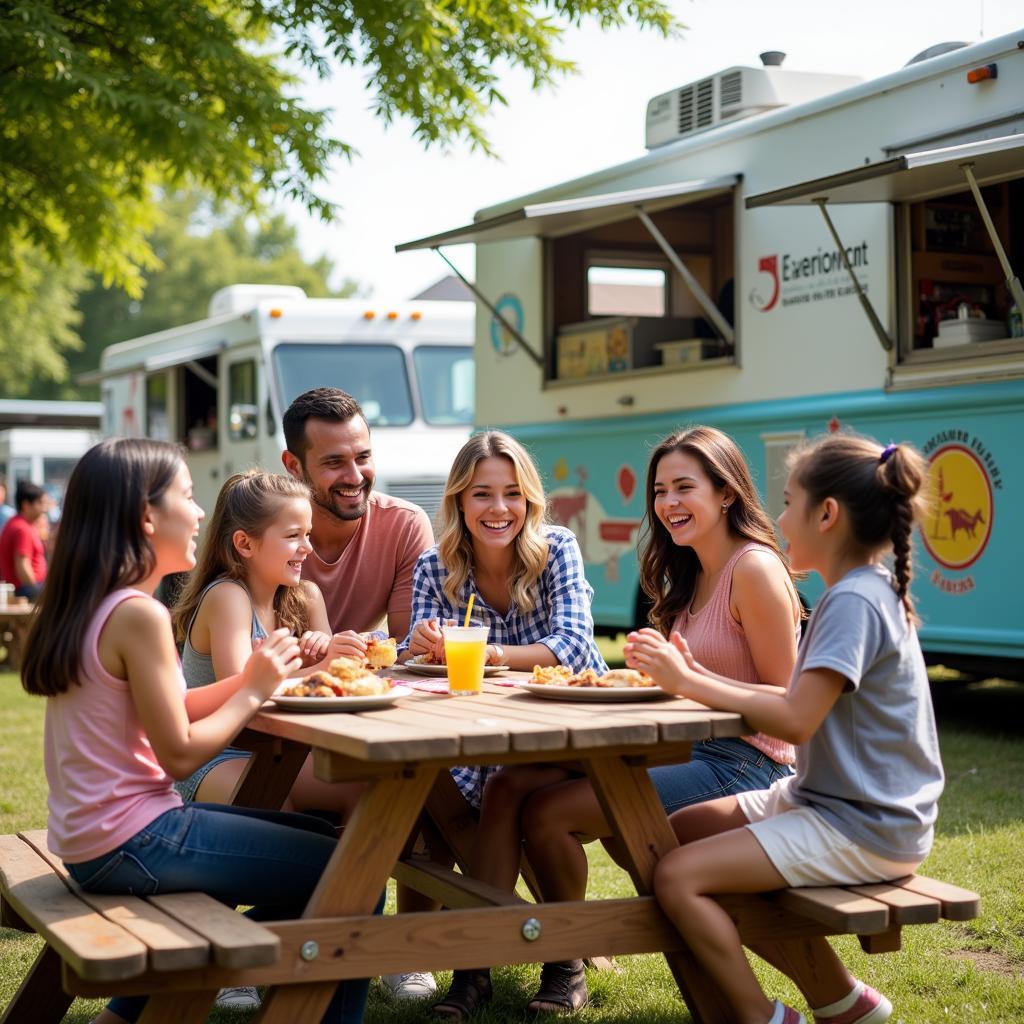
point(873, 768)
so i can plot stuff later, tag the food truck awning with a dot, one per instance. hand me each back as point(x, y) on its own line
point(567, 216)
point(910, 177)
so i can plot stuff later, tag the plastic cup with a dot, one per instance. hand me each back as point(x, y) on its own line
point(6, 594)
point(465, 651)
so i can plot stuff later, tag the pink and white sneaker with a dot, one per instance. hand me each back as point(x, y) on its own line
point(870, 1007)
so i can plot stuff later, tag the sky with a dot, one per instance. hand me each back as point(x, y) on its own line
point(394, 190)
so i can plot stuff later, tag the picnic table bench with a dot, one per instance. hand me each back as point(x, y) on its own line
point(98, 946)
point(15, 620)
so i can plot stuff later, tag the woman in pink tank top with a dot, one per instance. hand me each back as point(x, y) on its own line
point(711, 565)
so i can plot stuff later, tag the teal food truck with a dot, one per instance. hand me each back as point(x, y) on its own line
point(794, 254)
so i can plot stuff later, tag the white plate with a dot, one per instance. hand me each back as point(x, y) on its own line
point(325, 704)
point(442, 670)
point(552, 691)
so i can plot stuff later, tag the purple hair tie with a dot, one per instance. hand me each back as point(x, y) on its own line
point(887, 451)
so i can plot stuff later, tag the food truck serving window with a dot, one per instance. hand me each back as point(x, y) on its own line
point(681, 232)
point(960, 244)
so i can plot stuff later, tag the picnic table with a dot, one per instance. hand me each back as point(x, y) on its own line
point(403, 753)
point(15, 620)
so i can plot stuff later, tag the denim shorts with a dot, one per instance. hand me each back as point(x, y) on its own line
point(721, 767)
point(187, 788)
point(270, 860)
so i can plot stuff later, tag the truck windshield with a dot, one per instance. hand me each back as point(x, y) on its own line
point(444, 377)
point(374, 375)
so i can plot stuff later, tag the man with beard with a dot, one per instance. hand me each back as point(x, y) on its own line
point(365, 544)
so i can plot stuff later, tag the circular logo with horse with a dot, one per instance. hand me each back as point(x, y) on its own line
point(959, 521)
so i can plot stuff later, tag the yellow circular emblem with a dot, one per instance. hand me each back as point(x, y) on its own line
point(959, 521)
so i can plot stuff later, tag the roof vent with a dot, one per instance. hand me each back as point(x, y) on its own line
point(934, 51)
point(243, 298)
point(732, 94)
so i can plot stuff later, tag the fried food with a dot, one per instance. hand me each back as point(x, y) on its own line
point(550, 674)
point(559, 675)
point(380, 653)
point(424, 659)
point(625, 677)
point(346, 678)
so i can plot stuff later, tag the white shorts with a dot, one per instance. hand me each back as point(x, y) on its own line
point(804, 848)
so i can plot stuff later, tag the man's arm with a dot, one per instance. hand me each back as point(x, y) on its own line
point(23, 570)
point(417, 539)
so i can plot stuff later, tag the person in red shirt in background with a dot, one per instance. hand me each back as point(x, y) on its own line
point(22, 554)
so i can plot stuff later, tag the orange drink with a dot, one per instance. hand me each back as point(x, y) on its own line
point(465, 651)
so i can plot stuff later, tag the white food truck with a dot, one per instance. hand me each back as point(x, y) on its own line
point(220, 386)
point(794, 253)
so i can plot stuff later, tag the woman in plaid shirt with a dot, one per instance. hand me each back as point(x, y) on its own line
point(531, 592)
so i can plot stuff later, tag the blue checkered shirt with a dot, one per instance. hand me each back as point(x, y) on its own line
point(560, 619)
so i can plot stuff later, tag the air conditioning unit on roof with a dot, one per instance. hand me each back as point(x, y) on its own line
point(730, 95)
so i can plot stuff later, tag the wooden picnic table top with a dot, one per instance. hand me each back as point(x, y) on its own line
point(502, 720)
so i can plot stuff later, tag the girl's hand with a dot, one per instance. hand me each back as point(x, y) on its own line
point(274, 660)
point(313, 646)
point(427, 638)
point(347, 644)
point(666, 663)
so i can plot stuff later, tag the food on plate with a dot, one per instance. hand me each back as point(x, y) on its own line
point(346, 678)
point(380, 652)
point(424, 659)
point(559, 675)
point(625, 677)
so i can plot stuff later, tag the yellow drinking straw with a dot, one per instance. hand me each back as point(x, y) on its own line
point(469, 609)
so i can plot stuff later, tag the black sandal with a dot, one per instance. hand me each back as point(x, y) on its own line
point(469, 990)
point(563, 988)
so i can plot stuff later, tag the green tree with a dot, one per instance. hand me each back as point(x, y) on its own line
point(199, 251)
point(101, 100)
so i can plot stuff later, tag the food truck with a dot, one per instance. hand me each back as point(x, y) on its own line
point(794, 254)
point(220, 386)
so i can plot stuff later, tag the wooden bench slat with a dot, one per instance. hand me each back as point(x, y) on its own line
point(95, 948)
point(235, 940)
point(957, 904)
point(172, 946)
point(905, 906)
point(837, 908)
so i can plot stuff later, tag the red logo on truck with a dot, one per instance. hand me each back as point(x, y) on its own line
point(766, 265)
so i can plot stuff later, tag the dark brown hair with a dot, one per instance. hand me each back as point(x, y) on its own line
point(100, 547)
point(331, 404)
point(248, 502)
point(668, 571)
point(882, 498)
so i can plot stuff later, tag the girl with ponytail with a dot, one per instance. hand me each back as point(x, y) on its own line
point(862, 805)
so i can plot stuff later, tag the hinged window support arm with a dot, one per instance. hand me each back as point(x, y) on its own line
point(711, 311)
point(1012, 281)
point(869, 311)
point(523, 343)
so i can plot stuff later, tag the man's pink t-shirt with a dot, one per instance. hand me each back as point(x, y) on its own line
point(373, 576)
point(20, 537)
point(105, 781)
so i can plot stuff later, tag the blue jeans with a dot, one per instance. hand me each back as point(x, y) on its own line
point(716, 768)
point(271, 860)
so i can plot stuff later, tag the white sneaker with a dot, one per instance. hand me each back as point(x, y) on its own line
point(414, 985)
point(244, 997)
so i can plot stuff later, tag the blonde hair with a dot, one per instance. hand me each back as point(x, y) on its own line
point(249, 502)
point(455, 543)
point(881, 490)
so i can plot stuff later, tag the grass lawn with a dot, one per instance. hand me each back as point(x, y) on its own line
point(947, 972)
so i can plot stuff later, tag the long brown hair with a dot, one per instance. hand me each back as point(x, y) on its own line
point(248, 502)
point(668, 571)
point(880, 489)
point(100, 547)
point(455, 545)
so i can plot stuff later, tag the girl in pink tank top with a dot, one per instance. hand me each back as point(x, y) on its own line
point(120, 725)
